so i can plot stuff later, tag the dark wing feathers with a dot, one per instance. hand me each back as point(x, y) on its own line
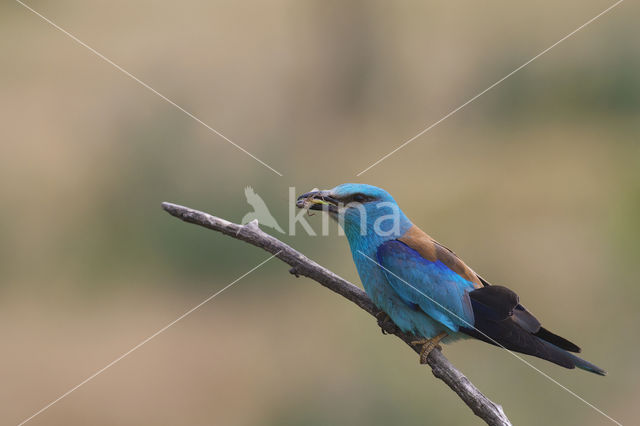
point(560, 342)
point(524, 319)
point(502, 321)
point(498, 299)
point(499, 318)
point(507, 334)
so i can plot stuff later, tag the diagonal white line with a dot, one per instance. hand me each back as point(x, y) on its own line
point(422, 132)
point(145, 85)
point(145, 341)
point(498, 344)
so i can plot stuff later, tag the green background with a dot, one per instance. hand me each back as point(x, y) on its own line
point(536, 185)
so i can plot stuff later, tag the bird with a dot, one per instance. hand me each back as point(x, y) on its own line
point(260, 211)
point(425, 288)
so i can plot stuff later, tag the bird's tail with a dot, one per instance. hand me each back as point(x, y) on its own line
point(569, 360)
point(587, 366)
point(509, 335)
point(563, 345)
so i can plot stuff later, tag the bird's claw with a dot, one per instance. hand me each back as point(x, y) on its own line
point(294, 271)
point(385, 322)
point(428, 345)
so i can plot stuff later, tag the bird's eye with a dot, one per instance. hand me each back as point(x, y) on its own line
point(359, 198)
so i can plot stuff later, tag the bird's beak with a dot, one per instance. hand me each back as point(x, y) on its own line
point(318, 200)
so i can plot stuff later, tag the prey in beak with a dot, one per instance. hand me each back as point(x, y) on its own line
point(318, 200)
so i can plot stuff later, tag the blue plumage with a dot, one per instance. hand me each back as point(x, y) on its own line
point(437, 290)
point(424, 287)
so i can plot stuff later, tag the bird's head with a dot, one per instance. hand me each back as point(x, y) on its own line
point(362, 210)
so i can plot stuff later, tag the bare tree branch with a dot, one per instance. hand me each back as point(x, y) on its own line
point(482, 406)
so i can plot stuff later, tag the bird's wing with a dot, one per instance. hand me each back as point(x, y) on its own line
point(429, 285)
point(432, 250)
point(499, 316)
point(496, 302)
point(417, 266)
point(501, 320)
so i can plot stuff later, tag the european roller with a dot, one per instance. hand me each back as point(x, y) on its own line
point(425, 288)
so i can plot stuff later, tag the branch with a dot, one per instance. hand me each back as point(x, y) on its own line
point(481, 406)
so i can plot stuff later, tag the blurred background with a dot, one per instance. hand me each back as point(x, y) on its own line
point(536, 185)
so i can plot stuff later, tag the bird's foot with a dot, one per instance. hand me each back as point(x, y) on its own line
point(385, 322)
point(294, 271)
point(428, 345)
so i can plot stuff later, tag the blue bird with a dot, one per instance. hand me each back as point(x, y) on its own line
point(425, 288)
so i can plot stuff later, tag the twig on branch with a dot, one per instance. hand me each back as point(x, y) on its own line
point(481, 406)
